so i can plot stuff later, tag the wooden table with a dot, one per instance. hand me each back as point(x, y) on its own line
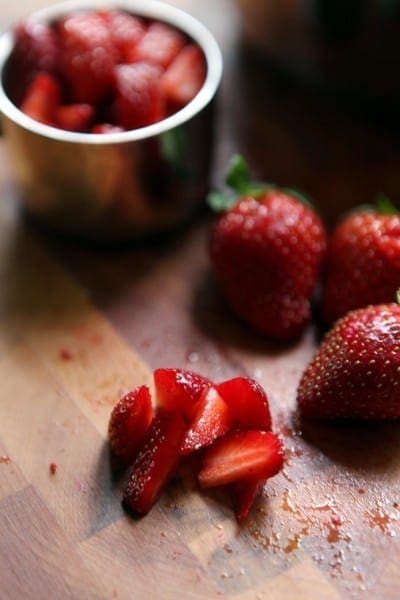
point(79, 326)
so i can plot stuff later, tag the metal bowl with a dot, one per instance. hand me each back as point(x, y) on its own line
point(116, 186)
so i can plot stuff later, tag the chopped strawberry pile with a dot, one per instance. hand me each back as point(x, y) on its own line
point(227, 426)
point(113, 71)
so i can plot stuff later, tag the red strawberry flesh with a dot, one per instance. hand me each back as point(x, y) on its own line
point(129, 422)
point(179, 389)
point(184, 77)
point(156, 461)
point(245, 493)
point(212, 419)
point(241, 455)
point(75, 117)
point(42, 99)
point(248, 403)
point(160, 45)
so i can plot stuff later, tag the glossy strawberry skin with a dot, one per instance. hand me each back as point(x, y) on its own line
point(126, 30)
point(184, 77)
point(266, 254)
point(129, 422)
point(248, 403)
point(211, 420)
point(180, 390)
point(241, 455)
point(75, 117)
point(356, 370)
point(139, 101)
point(42, 99)
point(159, 45)
point(156, 461)
point(87, 56)
point(244, 494)
point(363, 263)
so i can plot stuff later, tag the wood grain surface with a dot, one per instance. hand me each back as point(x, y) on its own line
point(79, 326)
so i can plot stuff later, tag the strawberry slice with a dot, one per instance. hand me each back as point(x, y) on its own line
point(139, 100)
point(75, 117)
point(160, 45)
point(129, 422)
point(184, 77)
point(125, 29)
point(42, 99)
point(106, 128)
point(155, 463)
point(241, 455)
point(178, 389)
point(212, 419)
point(245, 493)
point(248, 403)
point(87, 56)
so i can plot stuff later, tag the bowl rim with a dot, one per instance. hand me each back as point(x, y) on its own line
point(156, 9)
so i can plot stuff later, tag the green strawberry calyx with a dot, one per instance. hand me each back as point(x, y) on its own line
point(239, 184)
point(384, 206)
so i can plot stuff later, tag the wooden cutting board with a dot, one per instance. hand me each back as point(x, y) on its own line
point(79, 327)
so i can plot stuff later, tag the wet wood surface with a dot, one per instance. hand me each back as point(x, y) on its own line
point(80, 325)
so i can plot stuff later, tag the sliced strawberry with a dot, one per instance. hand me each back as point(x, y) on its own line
point(184, 77)
point(75, 117)
point(129, 422)
point(245, 493)
point(156, 461)
point(139, 100)
point(212, 419)
point(125, 29)
point(160, 45)
point(106, 128)
point(87, 56)
point(42, 99)
point(178, 389)
point(241, 455)
point(248, 403)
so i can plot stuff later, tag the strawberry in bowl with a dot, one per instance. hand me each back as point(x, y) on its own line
point(107, 113)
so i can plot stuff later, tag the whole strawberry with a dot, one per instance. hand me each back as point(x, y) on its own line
point(363, 262)
point(266, 251)
point(356, 370)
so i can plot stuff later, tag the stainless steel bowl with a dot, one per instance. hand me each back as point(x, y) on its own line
point(113, 187)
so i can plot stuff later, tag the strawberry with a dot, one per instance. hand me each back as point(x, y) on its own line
point(155, 463)
point(178, 389)
point(266, 251)
point(247, 401)
point(106, 128)
point(125, 29)
point(363, 262)
point(160, 45)
point(356, 370)
point(211, 420)
point(245, 493)
point(129, 422)
point(241, 455)
point(139, 100)
point(87, 56)
point(42, 99)
point(184, 77)
point(75, 117)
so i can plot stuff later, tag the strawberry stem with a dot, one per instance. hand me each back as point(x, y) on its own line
point(384, 206)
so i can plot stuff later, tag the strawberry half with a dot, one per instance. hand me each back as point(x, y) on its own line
point(125, 30)
point(156, 461)
point(241, 455)
point(75, 117)
point(212, 419)
point(159, 45)
point(355, 373)
point(184, 77)
point(248, 403)
point(178, 389)
point(139, 100)
point(129, 422)
point(244, 494)
point(42, 99)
